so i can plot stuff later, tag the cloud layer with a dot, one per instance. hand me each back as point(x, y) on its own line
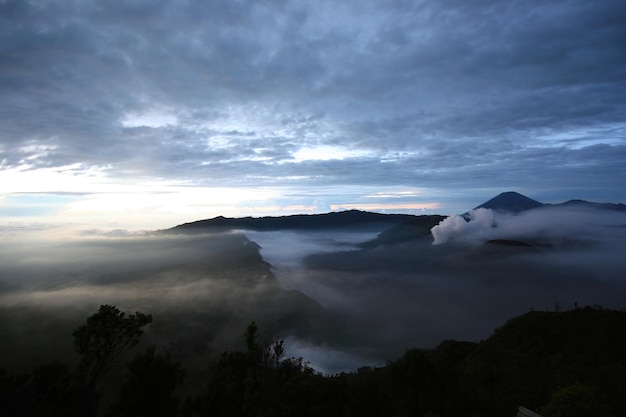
point(438, 95)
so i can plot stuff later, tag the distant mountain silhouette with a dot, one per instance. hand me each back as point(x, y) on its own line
point(515, 202)
point(334, 220)
point(510, 201)
point(401, 227)
point(589, 204)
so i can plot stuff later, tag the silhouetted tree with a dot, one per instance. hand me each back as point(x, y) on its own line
point(258, 382)
point(105, 338)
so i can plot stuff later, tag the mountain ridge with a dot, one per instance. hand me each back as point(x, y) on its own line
point(331, 220)
point(514, 202)
point(590, 204)
point(508, 201)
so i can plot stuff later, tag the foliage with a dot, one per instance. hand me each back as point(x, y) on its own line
point(105, 338)
point(576, 400)
point(257, 382)
point(150, 386)
point(533, 355)
point(560, 363)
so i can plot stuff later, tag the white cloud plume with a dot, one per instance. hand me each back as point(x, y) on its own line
point(479, 224)
point(545, 225)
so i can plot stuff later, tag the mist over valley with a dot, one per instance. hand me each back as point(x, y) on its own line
point(342, 294)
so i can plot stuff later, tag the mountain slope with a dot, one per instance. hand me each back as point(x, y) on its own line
point(417, 228)
point(510, 201)
point(334, 220)
point(542, 352)
point(591, 205)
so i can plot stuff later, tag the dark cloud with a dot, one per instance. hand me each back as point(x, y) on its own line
point(439, 94)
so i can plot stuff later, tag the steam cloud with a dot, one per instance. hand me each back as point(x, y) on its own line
point(545, 225)
point(477, 227)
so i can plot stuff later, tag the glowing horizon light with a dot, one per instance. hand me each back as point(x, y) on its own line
point(171, 199)
point(88, 195)
point(384, 207)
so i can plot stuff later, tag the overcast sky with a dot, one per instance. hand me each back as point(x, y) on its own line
point(150, 113)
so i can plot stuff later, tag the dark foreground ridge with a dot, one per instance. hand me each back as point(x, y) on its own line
point(570, 363)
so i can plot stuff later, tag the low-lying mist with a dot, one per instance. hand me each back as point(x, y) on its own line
point(202, 291)
point(337, 303)
point(460, 281)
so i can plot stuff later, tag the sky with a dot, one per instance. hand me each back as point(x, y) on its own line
point(146, 114)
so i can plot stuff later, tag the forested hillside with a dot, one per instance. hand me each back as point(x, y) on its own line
point(570, 363)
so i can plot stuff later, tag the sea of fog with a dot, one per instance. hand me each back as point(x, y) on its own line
point(451, 285)
point(336, 304)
